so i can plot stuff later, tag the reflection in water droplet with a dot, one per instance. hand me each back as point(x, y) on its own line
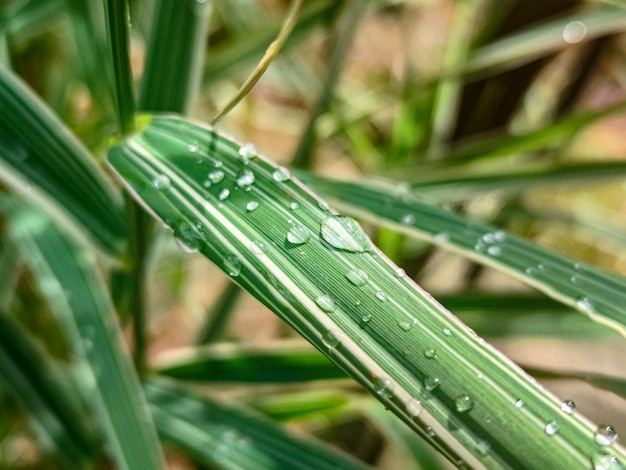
point(344, 233)
point(259, 247)
point(298, 235)
point(358, 277)
point(245, 178)
point(161, 182)
point(414, 408)
point(216, 176)
point(224, 193)
point(251, 206)
point(431, 383)
point(246, 152)
point(574, 31)
point(568, 407)
point(551, 428)
point(232, 265)
point(605, 435)
point(325, 303)
point(332, 339)
point(463, 403)
point(281, 174)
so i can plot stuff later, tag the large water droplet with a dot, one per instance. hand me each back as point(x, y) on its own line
point(568, 407)
point(551, 428)
point(358, 277)
point(298, 235)
point(431, 383)
point(414, 408)
point(216, 176)
point(605, 435)
point(251, 206)
point(281, 174)
point(325, 303)
point(245, 178)
point(463, 403)
point(246, 152)
point(332, 339)
point(232, 265)
point(344, 233)
point(161, 182)
point(223, 195)
point(603, 461)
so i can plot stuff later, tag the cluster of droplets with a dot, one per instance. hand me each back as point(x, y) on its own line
point(490, 243)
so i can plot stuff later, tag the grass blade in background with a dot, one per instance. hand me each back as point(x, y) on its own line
point(37, 149)
point(175, 55)
point(68, 278)
point(22, 17)
point(320, 273)
point(294, 406)
point(230, 437)
point(597, 293)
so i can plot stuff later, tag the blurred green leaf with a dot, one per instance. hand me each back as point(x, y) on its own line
point(294, 406)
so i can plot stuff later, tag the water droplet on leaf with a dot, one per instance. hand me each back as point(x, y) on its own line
point(430, 353)
point(408, 219)
point(463, 403)
point(344, 233)
point(568, 407)
point(251, 206)
point(358, 277)
point(399, 273)
point(298, 235)
point(193, 147)
point(325, 303)
point(603, 461)
point(551, 428)
point(216, 176)
point(382, 296)
point(259, 247)
point(414, 408)
point(294, 206)
point(224, 193)
point(232, 265)
point(161, 182)
point(246, 152)
point(332, 339)
point(281, 174)
point(605, 435)
point(245, 178)
point(431, 383)
point(519, 403)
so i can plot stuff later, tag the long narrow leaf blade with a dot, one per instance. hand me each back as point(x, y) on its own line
point(320, 273)
point(68, 277)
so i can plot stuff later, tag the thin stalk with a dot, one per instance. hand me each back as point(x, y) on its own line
point(270, 54)
point(341, 41)
point(219, 314)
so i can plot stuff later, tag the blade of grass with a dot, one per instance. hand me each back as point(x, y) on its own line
point(320, 273)
point(592, 291)
point(227, 437)
point(295, 406)
point(37, 149)
point(26, 16)
point(219, 315)
point(68, 278)
point(233, 363)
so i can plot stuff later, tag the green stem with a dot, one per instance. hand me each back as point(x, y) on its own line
point(219, 315)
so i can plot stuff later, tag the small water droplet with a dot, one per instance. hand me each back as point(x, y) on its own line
point(193, 147)
point(251, 206)
point(366, 318)
point(519, 403)
point(246, 152)
point(605, 435)
point(585, 304)
point(384, 387)
point(408, 219)
point(325, 303)
point(218, 163)
point(298, 235)
point(207, 184)
point(484, 447)
point(358, 277)
point(447, 332)
point(574, 31)
point(344, 233)
point(431, 383)
point(494, 250)
point(430, 353)
point(399, 273)
point(499, 236)
point(532, 271)
point(281, 174)
point(216, 176)
point(184, 247)
point(224, 193)
point(568, 407)
point(551, 428)
point(442, 237)
point(414, 408)
point(259, 247)
point(294, 206)
point(232, 264)
point(603, 461)
point(245, 178)
point(405, 325)
point(382, 296)
point(332, 339)
point(463, 403)
point(488, 238)
point(430, 431)
point(161, 182)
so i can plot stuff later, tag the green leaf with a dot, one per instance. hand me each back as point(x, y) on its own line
point(39, 156)
point(226, 437)
point(234, 363)
point(591, 290)
point(353, 305)
point(68, 277)
point(293, 406)
point(23, 17)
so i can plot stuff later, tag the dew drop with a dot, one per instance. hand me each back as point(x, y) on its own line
point(325, 303)
point(499, 236)
point(532, 271)
point(399, 273)
point(603, 461)
point(551, 428)
point(298, 235)
point(494, 250)
point(223, 195)
point(259, 247)
point(519, 403)
point(585, 304)
point(193, 147)
point(281, 174)
point(442, 237)
point(366, 318)
point(251, 206)
point(430, 353)
point(431, 383)
point(447, 332)
point(332, 339)
point(245, 178)
point(430, 432)
point(186, 238)
point(381, 295)
point(605, 435)
point(384, 387)
point(405, 325)
point(414, 408)
point(488, 238)
point(232, 264)
point(358, 277)
point(184, 247)
point(344, 233)
point(568, 407)
point(408, 219)
point(246, 152)
point(463, 403)
point(161, 182)
point(207, 184)
point(218, 163)
point(216, 176)
point(574, 31)
point(294, 206)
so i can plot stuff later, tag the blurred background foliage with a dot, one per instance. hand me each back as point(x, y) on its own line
point(479, 91)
